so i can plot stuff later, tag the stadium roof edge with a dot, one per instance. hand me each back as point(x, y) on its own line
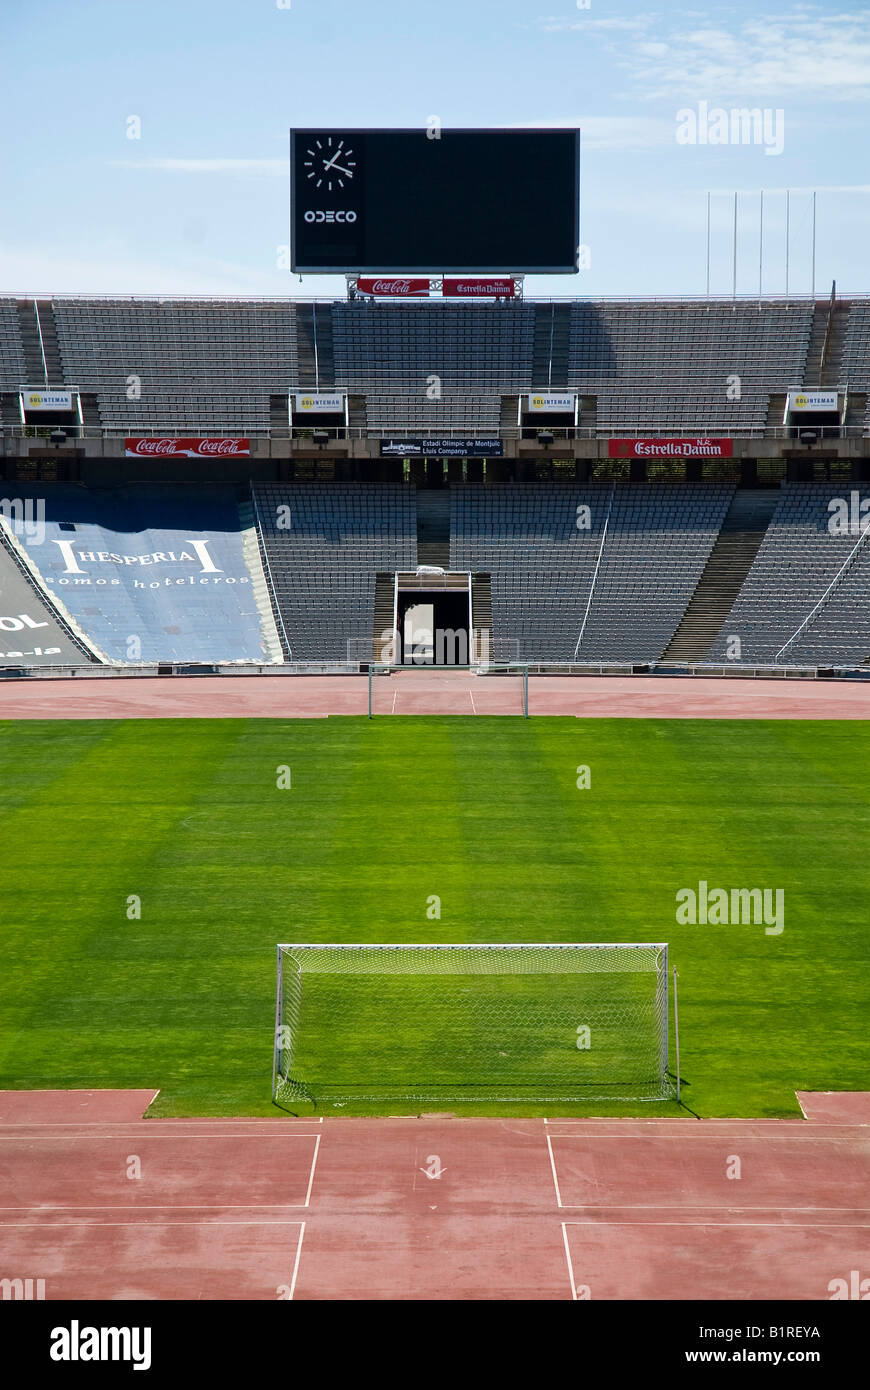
point(205, 298)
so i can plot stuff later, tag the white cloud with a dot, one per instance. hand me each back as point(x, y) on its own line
point(557, 24)
point(804, 52)
point(271, 168)
point(617, 132)
point(109, 270)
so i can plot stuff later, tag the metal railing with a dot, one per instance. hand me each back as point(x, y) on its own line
point(359, 667)
point(344, 433)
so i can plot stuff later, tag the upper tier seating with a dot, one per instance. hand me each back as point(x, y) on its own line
point(12, 366)
point(204, 367)
point(856, 353)
point(391, 352)
point(666, 366)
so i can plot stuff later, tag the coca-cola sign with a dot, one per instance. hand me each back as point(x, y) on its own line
point(187, 448)
point(392, 286)
point(497, 287)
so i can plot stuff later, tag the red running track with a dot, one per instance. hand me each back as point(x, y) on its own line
point(432, 1208)
point(457, 692)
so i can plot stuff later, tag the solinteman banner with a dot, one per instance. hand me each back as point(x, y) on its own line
point(552, 402)
point(811, 400)
point(46, 400)
point(318, 403)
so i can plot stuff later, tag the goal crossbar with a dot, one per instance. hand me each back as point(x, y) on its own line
point(535, 1022)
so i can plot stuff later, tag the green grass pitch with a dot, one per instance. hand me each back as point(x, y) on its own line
point(484, 813)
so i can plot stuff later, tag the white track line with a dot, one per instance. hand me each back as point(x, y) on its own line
point(736, 1225)
point(180, 1206)
point(296, 1261)
point(393, 710)
point(553, 1170)
point(568, 1258)
point(176, 1125)
point(471, 698)
point(800, 1135)
point(311, 1176)
point(691, 1206)
point(150, 1134)
point(146, 1225)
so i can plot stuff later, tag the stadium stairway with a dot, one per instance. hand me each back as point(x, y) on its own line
point(38, 336)
point(730, 560)
point(818, 334)
point(481, 611)
point(433, 526)
point(551, 345)
point(315, 351)
point(832, 364)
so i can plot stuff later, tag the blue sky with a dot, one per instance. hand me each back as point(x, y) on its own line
point(199, 203)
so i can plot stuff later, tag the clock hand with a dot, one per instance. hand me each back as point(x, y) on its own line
point(332, 161)
point(339, 170)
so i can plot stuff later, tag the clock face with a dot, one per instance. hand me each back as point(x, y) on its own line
point(329, 163)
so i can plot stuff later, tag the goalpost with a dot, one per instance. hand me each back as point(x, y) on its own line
point(482, 688)
point(529, 1023)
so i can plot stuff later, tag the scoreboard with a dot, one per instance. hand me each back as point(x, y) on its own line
point(402, 201)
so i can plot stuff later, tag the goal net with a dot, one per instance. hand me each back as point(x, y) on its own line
point(541, 1023)
point(487, 688)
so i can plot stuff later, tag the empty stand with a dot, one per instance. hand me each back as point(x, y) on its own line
point(797, 562)
point(726, 569)
point(13, 371)
point(659, 540)
point(202, 367)
point(665, 366)
point(856, 353)
point(624, 582)
point(540, 564)
point(433, 366)
point(325, 545)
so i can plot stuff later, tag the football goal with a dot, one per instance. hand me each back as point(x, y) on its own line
point(527, 1023)
point(487, 688)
